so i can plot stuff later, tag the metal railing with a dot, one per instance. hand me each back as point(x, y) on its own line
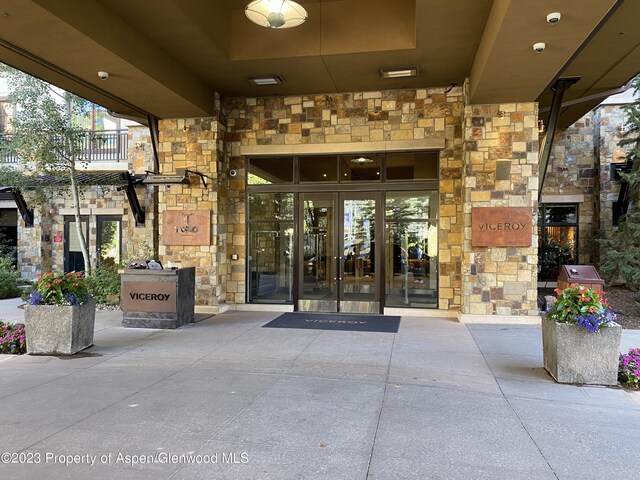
point(98, 146)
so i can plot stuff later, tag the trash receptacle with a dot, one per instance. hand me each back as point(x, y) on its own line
point(585, 275)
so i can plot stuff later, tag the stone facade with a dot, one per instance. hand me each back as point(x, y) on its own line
point(579, 172)
point(500, 280)
point(38, 247)
point(193, 144)
point(326, 123)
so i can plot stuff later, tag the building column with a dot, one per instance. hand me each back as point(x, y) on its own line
point(192, 143)
point(501, 170)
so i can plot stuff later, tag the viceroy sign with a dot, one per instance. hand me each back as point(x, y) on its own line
point(501, 226)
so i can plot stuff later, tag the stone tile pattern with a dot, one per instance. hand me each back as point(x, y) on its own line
point(610, 126)
point(391, 115)
point(580, 163)
point(193, 144)
point(573, 171)
point(500, 280)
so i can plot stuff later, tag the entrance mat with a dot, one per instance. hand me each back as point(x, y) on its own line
point(336, 321)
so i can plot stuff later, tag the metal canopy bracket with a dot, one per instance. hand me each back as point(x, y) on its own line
point(558, 88)
point(25, 212)
point(132, 197)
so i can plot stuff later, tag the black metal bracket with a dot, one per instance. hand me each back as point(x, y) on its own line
point(25, 212)
point(558, 88)
point(201, 175)
point(134, 203)
point(154, 133)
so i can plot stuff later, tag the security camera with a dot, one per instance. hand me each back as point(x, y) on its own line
point(539, 47)
point(232, 173)
point(103, 75)
point(554, 17)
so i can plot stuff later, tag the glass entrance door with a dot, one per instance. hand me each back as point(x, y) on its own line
point(338, 245)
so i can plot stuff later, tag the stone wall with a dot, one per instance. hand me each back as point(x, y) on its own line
point(572, 177)
point(192, 143)
point(38, 250)
point(610, 123)
point(323, 122)
point(500, 280)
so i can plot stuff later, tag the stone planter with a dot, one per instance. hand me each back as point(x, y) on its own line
point(573, 355)
point(58, 329)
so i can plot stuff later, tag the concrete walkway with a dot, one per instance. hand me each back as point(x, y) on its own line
point(226, 399)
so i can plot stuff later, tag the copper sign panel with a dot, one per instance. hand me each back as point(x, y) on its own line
point(149, 297)
point(501, 227)
point(187, 227)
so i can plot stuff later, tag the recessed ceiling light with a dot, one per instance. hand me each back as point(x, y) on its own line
point(399, 72)
point(267, 80)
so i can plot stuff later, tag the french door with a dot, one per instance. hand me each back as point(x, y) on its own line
point(340, 257)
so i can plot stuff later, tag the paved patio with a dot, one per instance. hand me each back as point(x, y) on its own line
point(438, 400)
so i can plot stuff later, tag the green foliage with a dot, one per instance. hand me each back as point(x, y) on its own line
point(8, 278)
point(56, 288)
point(582, 306)
point(551, 256)
point(620, 259)
point(104, 284)
point(44, 136)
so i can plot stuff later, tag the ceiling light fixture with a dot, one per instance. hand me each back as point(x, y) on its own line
point(276, 13)
point(399, 72)
point(266, 80)
point(361, 160)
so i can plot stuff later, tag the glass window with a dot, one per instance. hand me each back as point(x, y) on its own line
point(109, 240)
point(557, 239)
point(358, 168)
point(318, 169)
point(561, 214)
point(271, 254)
point(411, 249)
point(270, 170)
point(271, 206)
point(412, 205)
point(412, 166)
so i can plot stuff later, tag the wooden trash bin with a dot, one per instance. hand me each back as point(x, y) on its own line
point(585, 275)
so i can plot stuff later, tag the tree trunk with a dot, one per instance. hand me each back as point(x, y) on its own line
point(75, 195)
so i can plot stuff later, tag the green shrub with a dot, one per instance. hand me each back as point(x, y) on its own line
point(8, 279)
point(104, 284)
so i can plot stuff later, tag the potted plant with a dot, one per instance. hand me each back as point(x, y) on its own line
point(580, 338)
point(59, 315)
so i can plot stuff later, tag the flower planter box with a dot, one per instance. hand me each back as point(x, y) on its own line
point(574, 355)
point(59, 329)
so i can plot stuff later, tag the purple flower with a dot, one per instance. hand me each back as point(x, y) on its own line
point(34, 298)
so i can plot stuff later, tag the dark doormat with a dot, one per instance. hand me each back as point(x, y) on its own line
point(336, 321)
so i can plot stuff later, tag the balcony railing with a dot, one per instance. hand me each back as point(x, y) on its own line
point(99, 146)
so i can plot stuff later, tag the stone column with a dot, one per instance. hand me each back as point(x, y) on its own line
point(192, 143)
point(500, 280)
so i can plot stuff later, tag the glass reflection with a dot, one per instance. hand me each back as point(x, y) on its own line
point(270, 170)
point(412, 205)
point(359, 248)
point(271, 262)
point(271, 206)
point(319, 274)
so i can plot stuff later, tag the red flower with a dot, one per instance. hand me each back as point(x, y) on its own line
point(57, 280)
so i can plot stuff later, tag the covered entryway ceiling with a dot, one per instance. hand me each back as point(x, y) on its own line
point(169, 57)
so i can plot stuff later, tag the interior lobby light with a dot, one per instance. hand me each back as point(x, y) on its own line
point(275, 13)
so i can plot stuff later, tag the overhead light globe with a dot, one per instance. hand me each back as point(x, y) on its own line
point(276, 13)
